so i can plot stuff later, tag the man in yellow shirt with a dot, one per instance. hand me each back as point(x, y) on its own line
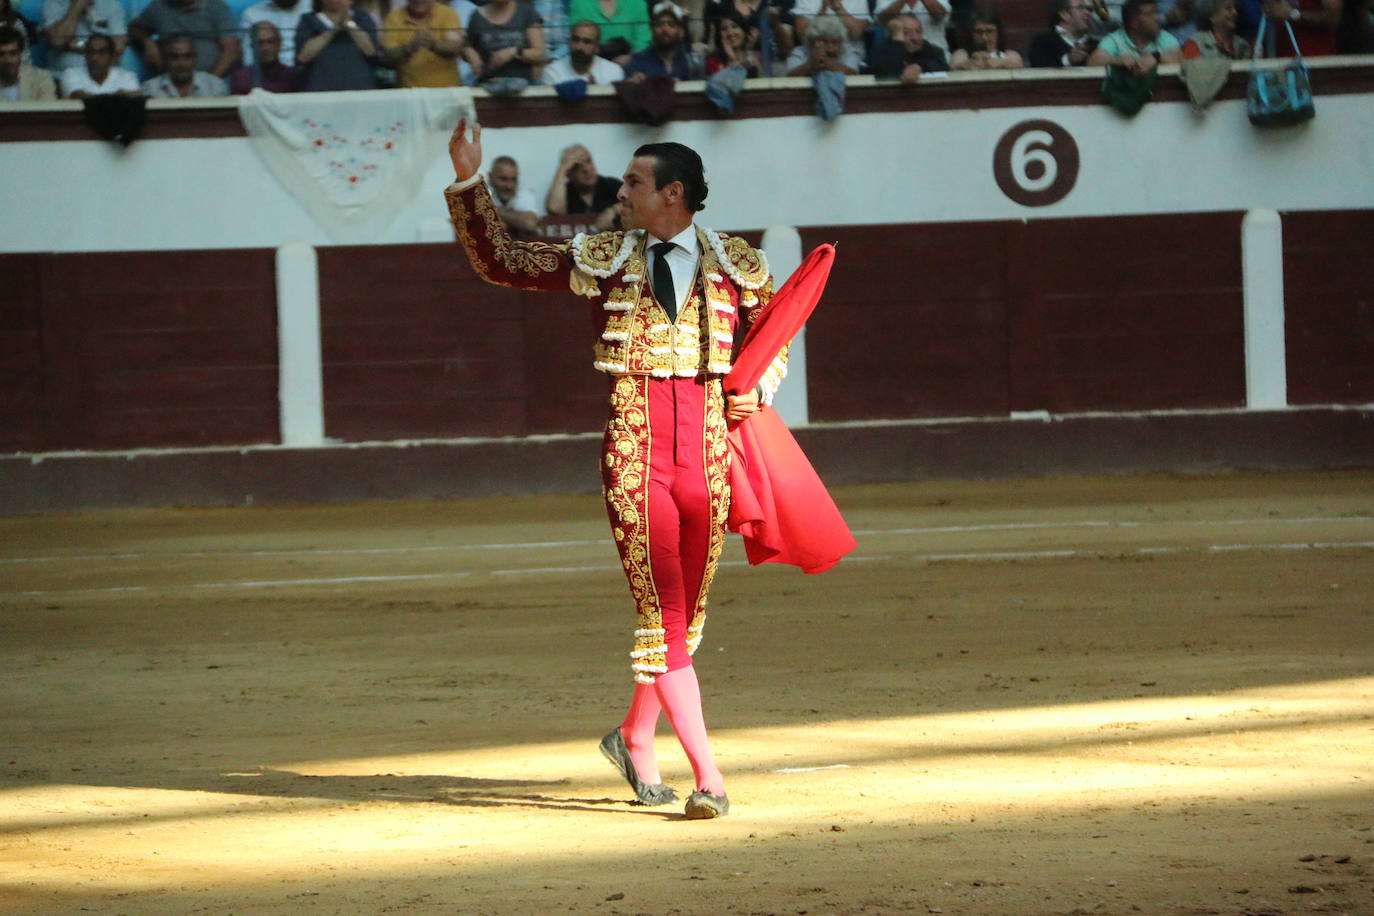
point(422, 40)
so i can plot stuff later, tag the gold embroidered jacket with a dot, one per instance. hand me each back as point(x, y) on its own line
point(732, 287)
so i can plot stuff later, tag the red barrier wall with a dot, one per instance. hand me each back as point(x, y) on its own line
point(1329, 306)
point(120, 350)
point(980, 319)
point(164, 349)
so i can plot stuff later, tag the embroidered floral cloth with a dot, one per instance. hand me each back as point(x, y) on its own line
point(353, 159)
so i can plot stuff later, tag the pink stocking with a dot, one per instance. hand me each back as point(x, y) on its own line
point(638, 732)
point(680, 695)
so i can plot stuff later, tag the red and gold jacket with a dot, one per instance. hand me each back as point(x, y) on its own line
point(731, 289)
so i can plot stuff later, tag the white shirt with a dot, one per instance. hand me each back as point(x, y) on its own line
point(602, 72)
point(203, 86)
point(284, 19)
point(523, 199)
point(682, 262)
point(935, 31)
point(78, 79)
point(101, 16)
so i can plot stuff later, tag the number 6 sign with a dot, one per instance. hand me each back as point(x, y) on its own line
point(1036, 163)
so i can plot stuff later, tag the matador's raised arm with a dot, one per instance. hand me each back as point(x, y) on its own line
point(495, 255)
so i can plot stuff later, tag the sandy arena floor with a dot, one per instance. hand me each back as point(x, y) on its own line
point(1127, 695)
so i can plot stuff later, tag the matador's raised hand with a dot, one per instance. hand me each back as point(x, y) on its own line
point(466, 154)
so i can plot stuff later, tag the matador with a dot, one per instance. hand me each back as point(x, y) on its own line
point(675, 298)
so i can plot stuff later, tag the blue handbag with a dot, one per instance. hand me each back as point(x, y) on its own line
point(1278, 97)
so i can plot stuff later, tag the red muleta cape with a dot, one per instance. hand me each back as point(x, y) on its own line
point(777, 502)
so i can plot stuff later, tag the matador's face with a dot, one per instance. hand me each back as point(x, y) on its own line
point(642, 205)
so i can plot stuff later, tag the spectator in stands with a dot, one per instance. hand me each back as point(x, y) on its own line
point(336, 49)
point(208, 23)
point(1355, 33)
point(21, 82)
point(515, 204)
point(668, 54)
point(1067, 43)
point(12, 18)
point(1104, 18)
point(284, 14)
point(986, 46)
point(752, 12)
point(934, 16)
point(583, 61)
point(577, 188)
point(554, 15)
point(852, 15)
point(267, 71)
point(98, 75)
point(624, 25)
point(182, 80)
point(68, 23)
point(732, 47)
point(1314, 23)
point(1140, 44)
point(1216, 34)
point(824, 49)
point(906, 54)
point(505, 44)
point(1179, 17)
point(423, 40)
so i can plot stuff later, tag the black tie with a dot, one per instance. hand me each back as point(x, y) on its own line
point(663, 279)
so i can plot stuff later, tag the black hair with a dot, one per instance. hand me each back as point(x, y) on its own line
point(675, 162)
point(988, 16)
point(10, 35)
point(1130, 11)
point(102, 37)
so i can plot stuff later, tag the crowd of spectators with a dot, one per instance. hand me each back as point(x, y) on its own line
point(198, 48)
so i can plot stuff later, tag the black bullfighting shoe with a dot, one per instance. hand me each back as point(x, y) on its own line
point(613, 749)
point(702, 805)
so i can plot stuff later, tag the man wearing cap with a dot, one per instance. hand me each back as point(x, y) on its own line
point(667, 54)
point(674, 297)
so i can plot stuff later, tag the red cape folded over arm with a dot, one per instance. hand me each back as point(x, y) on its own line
point(777, 502)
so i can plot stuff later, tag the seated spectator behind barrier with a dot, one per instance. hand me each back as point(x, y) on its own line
point(182, 80)
point(336, 49)
point(583, 62)
point(986, 45)
point(505, 42)
point(554, 16)
point(68, 23)
point(98, 75)
point(624, 30)
point(1067, 43)
point(284, 14)
point(1216, 34)
point(12, 18)
point(267, 72)
point(851, 15)
point(515, 204)
point(577, 188)
point(1314, 25)
point(423, 40)
point(934, 16)
point(21, 82)
point(824, 48)
point(732, 47)
point(1140, 44)
point(668, 54)
point(751, 13)
point(207, 22)
point(906, 54)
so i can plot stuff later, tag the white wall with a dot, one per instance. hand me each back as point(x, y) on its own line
point(891, 167)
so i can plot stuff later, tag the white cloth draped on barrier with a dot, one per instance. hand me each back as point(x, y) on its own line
point(353, 159)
